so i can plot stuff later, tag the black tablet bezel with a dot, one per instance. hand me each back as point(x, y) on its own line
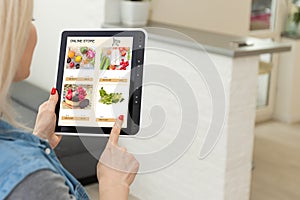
point(137, 63)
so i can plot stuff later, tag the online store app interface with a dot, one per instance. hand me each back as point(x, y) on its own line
point(96, 81)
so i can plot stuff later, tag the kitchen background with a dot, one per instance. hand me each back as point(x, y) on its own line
point(278, 74)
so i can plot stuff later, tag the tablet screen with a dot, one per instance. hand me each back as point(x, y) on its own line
point(96, 81)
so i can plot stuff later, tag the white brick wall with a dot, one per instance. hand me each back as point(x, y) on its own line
point(225, 173)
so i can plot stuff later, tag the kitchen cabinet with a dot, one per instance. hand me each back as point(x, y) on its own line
point(225, 172)
point(287, 107)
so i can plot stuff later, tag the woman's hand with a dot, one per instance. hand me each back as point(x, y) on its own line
point(116, 168)
point(46, 120)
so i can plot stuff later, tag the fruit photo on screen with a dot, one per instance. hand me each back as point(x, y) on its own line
point(77, 96)
point(115, 58)
point(80, 58)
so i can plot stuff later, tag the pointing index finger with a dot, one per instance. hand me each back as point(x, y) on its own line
point(115, 131)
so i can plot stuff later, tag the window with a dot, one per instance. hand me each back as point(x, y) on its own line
point(262, 15)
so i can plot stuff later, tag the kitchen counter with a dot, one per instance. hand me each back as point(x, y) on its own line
point(218, 163)
point(216, 43)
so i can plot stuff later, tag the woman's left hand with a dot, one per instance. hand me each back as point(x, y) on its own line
point(46, 120)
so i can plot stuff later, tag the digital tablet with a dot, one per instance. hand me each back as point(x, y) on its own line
point(100, 75)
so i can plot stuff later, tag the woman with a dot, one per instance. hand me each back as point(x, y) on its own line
point(29, 169)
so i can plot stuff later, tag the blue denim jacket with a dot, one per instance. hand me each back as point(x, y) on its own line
point(23, 153)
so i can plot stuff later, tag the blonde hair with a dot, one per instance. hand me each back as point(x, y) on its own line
point(15, 23)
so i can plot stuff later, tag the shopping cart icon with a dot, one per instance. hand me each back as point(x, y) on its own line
point(115, 42)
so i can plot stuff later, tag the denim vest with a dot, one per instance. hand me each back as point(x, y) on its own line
point(23, 153)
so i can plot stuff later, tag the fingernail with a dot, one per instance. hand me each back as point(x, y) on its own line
point(53, 91)
point(121, 117)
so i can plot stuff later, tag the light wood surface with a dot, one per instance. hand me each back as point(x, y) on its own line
point(94, 195)
point(276, 174)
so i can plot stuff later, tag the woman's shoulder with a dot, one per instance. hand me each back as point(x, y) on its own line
point(22, 154)
point(19, 146)
point(42, 184)
point(10, 132)
point(7, 128)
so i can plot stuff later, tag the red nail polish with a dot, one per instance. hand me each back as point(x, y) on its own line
point(121, 117)
point(53, 91)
